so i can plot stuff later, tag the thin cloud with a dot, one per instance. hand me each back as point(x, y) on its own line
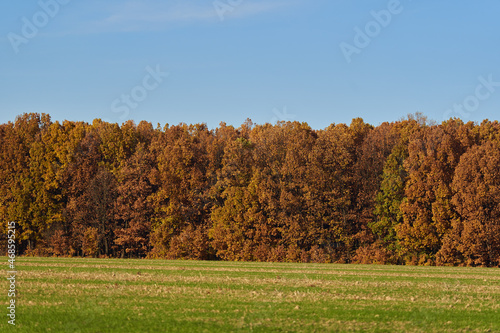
point(150, 15)
point(255, 8)
point(155, 12)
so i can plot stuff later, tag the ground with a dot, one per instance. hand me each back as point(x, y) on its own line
point(115, 295)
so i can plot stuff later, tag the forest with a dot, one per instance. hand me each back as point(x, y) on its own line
point(406, 192)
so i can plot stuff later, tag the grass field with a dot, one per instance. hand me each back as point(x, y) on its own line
point(110, 295)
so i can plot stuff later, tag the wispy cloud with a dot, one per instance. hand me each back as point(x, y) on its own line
point(135, 15)
point(250, 8)
point(156, 12)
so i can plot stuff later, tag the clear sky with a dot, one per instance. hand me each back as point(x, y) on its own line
point(194, 61)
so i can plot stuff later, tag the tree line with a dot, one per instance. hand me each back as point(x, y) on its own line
point(405, 192)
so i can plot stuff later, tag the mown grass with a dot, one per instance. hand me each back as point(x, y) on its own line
point(112, 295)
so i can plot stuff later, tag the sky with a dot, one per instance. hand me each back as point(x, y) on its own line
point(197, 61)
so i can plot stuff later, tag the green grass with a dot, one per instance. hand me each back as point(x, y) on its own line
point(111, 295)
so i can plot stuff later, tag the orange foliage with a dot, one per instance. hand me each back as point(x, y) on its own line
point(409, 192)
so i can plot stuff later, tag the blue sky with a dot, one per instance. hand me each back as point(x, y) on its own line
point(318, 61)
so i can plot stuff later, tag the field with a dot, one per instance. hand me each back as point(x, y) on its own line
point(110, 295)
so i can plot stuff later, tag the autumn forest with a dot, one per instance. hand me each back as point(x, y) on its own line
point(407, 192)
